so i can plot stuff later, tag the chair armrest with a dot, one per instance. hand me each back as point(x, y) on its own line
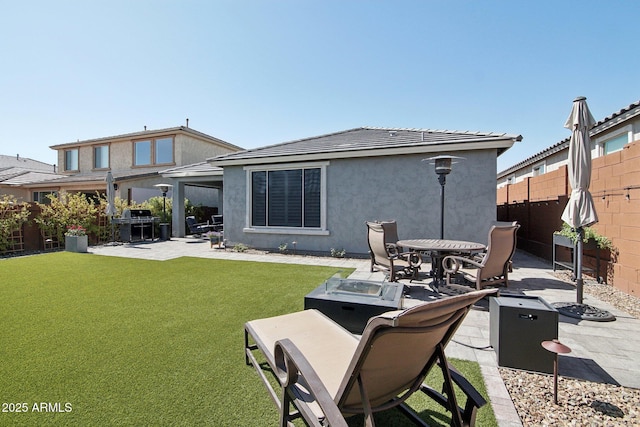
point(290, 364)
point(452, 263)
point(412, 257)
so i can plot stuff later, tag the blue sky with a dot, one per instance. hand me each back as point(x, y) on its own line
point(262, 72)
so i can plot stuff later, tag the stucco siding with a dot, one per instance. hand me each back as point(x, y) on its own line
point(403, 188)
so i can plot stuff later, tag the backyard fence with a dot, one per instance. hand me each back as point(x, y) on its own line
point(537, 204)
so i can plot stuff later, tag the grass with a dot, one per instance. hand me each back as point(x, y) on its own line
point(121, 341)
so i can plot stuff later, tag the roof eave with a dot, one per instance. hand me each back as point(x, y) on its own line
point(481, 144)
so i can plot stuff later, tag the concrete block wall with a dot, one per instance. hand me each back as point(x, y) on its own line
point(538, 202)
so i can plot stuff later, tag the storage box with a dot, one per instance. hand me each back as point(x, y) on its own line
point(518, 325)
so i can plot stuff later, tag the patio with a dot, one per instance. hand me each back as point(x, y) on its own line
point(601, 352)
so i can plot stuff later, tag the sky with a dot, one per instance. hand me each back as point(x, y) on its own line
point(255, 73)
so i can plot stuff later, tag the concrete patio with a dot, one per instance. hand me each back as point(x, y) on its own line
point(601, 351)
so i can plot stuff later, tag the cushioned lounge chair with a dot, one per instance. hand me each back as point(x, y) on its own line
point(328, 374)
point(386, 255)
point(493, 266)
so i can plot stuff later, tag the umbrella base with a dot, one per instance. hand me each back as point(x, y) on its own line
point(583, 311)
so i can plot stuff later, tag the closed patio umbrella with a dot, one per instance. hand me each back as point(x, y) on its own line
point(580, 211)
point(110, 210)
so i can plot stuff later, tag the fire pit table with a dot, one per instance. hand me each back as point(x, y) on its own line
point(351, 303)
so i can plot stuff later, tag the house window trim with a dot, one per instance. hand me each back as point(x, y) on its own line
point(77, 150)
point(93, 149)
point(41, 195)
point(540, 167)
point(602, 141)
point(152, 159)
point(320, 231)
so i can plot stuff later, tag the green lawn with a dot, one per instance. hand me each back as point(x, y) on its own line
point(91, 340)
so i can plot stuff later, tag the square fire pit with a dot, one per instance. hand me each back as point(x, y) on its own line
point(351, 303)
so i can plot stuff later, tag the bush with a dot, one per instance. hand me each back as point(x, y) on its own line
point(70, 209)
point(12, 217)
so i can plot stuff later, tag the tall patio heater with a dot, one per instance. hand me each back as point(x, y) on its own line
point(164, 225)
point(443, 164)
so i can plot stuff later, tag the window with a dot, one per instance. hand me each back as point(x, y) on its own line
point(538, 169)
point(164, 150)
point(153, 151)
point(101, 157)
point(71, 160)
point(41, 197)
point(615, 144)
point(287, 198)
point(142, 153)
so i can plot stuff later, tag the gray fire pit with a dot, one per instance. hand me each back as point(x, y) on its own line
point(351, 303)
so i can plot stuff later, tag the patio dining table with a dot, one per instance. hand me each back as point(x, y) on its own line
point(438, 249)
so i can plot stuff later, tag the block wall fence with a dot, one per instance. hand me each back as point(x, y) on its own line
point(537, 204)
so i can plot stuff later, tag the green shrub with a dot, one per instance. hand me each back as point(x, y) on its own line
point(12, 217)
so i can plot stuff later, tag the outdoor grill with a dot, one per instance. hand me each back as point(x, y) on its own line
point(351, 303)
point(136, 224)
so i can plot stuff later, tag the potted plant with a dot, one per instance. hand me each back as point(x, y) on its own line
point(76, 239)
point(569, 236)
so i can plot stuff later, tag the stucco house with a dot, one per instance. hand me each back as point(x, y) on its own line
point(16, 171)
point(319, 191)
point(134, 160)
point(608, 136)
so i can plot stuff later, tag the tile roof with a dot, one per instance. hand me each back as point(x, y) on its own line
point(26, 177)
point(147, 133)
point(24, 163)
point(369, 141)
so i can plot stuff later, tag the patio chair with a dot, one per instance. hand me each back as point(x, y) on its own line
point(217, 222)
point(197, 229)
point(386, 255)
point(328, 374)
point(490, 268)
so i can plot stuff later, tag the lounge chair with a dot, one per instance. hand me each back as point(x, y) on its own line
point(386, 255)
point(328, 374)
point(197, 229)
point(493, 266)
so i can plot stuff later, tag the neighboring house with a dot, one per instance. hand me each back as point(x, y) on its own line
point(608, 135)
point(318, 192)
point(535, 191)
point(16, 170)
point(134, 160)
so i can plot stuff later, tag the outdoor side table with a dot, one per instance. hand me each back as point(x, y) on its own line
point(518, 324)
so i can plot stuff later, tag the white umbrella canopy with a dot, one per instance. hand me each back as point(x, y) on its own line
point(580, 210)
point(111, 196)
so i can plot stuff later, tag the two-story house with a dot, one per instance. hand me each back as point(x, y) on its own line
point(134, 159)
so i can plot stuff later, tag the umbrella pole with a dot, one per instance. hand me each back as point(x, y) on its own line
point(578, 266)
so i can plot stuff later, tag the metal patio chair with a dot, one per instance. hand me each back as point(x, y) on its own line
point(328, 374)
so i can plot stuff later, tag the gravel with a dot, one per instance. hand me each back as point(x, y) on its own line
point(580, 403)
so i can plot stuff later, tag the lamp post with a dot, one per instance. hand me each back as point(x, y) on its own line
point(443, 164)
